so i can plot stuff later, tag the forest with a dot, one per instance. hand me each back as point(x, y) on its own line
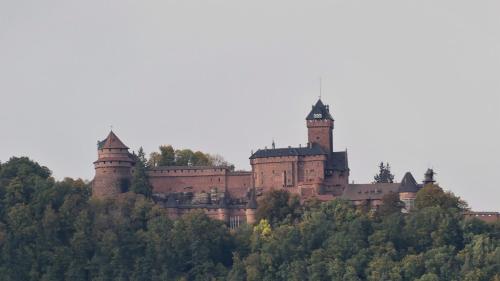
point(54, 230)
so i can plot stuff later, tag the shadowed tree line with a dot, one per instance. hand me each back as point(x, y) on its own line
point(52, 230)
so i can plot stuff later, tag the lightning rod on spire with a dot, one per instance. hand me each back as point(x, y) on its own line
point(320, 87)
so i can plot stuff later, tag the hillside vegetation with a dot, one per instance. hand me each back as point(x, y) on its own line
point(52, 230)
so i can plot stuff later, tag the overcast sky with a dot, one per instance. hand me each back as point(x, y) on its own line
point(413, 83)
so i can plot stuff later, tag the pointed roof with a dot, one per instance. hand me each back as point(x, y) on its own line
point(340, 161)
point(111, 141)
point(408, 184)
point(319, 112)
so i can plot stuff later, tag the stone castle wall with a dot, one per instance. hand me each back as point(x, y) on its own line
point(489, 217)
point(288, 172)
point(200, 179)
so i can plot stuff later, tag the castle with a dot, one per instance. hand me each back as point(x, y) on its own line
point(311, 171)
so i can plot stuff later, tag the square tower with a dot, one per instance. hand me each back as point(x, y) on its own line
point(320, 127)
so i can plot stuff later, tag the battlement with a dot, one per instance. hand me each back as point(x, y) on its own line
point(222, 192)
point(489, 217)
point(170, 171)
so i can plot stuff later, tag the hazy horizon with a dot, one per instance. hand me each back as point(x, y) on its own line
point(415, 84)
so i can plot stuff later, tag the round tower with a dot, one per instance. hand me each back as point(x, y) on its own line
point(251, 210)
point(113, 168)
point(222, 211)
point(172, 210)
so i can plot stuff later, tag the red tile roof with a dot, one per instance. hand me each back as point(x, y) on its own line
point(112, 141)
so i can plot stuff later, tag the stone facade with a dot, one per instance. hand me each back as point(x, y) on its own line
point(173, 179)
point(113, 168)
point(310, 171)
point(314, 170)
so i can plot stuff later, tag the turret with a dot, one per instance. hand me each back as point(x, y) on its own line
point(320, 127)
point(408, 192)
point(251, 209)
point(222, 212)
point(429, 177)
point(171, 205)
point(113, 168)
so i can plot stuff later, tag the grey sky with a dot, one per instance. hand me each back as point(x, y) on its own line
point(414, 83)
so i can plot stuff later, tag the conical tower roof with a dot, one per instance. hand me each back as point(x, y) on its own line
point(319, 112)
point(112, 141)
point(408, 184)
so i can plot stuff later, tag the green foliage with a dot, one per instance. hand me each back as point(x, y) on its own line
point(278, 205)
point(384, 175)
point(432, 195)
point(169, 156)
point(390, 204)
point(52, 230)
point(140, 181)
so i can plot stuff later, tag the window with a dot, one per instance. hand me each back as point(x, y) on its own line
point(234, 222)
point(409, 204)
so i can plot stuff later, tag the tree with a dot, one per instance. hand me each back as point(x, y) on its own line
point(277, 205)
point(201, 159)
point(167, 156)
point(52, 230)
point(201, 246)
point(390, 204)
point(140, 181)
point(384, 175)
point(432, 195)
point(218, 160)
point(154, 159)
point(184, 157)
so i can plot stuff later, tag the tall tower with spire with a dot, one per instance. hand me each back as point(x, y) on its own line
point(320, 127)
point(113, 168)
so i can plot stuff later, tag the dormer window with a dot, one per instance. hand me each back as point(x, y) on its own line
point(318, 116)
